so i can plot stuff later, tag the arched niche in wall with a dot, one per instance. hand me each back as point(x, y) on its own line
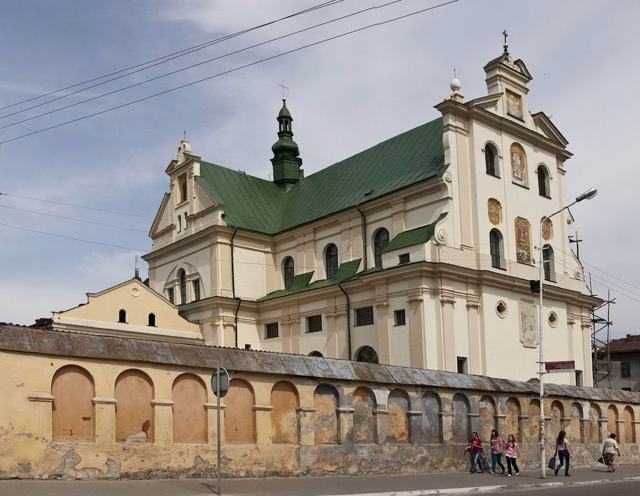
point(325, 417)
point(134, 410)
point(461, 420)
point(364, 421)
point(595, 433)
point(73, 412)
point(512, 418)
point(239, 415)
point(398, 405)
point(189, 395)
point(284, 414)
point(487, 411)
point(612, 421)
point(431, 418)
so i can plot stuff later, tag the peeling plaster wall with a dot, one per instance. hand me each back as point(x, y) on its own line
point(309, 426)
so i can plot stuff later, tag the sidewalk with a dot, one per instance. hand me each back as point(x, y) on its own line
point(397, 485)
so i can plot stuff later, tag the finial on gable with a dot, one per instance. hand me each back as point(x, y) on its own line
point(505, 45)
point(183, 149)
point(455, 86)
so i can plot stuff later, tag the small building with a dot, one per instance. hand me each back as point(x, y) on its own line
point(625, 362)
point(129, 309)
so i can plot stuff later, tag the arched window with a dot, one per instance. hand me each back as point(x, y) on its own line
point(380, 240)
point(73, 412)
point(189, 395)
point(134, 407)
point(495, 248)
point(490, 160)
point(179, 223)
point(152, 320)
point(366, 354)
point(543, 182)
point(182, 278)
point(288, 272)
point(331, 260)
point(548, 263)
point(122, 316)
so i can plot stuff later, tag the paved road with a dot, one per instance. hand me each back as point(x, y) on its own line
point(324, 486)
point(611, 489)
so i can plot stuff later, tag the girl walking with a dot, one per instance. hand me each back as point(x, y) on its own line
point(496, 451)
point(562, 449)
point(512, 454)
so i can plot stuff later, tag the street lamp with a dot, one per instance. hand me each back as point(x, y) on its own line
point(587, 195)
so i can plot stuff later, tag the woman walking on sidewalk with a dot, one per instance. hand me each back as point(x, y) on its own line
point(609, 450)
point(496, 451)
point(562, 449)
point(511, 454)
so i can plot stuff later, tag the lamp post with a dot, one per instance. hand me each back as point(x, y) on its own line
point(587, 195)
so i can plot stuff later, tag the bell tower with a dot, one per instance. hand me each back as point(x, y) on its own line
point(286, 161)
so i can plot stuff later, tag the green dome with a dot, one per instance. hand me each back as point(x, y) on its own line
point(284, 111)
point(285, 146)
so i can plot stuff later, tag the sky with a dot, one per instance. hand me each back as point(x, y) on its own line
point(345, 95)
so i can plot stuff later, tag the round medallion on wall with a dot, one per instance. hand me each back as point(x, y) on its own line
point(135, 292)
point(501, 309)
point(553, 319)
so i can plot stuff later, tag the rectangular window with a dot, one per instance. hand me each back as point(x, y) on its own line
point(364, 316)
point(271, 330)
point(196, 289)
point(579, 378)
point(626, 389)
point(314, 323)
point(182, 188)
point(625, 369)
point(399, 317)
point(403, 258)
point(462, 365)
point(170, 296)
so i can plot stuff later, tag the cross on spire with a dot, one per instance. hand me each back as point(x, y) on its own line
point(284, 90)
point(505, 45)
point(184, 134)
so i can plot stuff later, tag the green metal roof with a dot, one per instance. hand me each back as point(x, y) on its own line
point(346, 271)
point(259, 205)
point(412, 237)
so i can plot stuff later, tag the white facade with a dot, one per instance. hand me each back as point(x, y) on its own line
point(461, 312)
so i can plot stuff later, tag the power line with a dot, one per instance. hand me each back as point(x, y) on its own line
point(19, 228)
point(229, 71)
point(124, 228)
point(188, 67)
point(157, 61)
point(76, 205)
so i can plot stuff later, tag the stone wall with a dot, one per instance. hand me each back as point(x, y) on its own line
point(82, 406)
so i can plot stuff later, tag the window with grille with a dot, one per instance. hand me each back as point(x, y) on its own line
point(404, 258)
point(314, 323)
point(625, 369)
point(271, 330)
point(399, 317)
point(364, 316)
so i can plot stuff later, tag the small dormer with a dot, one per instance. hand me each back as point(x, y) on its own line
point(509, 78)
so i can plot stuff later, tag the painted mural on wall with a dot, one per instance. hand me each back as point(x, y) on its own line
point(528, 324)
point(514, 104)
point(495, 211)
point(519, 173)
point(547, 229)
point(523, 240)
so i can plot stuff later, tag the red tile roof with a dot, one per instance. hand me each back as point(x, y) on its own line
point(629, 344)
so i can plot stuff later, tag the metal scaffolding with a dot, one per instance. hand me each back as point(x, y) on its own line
point(600, 336)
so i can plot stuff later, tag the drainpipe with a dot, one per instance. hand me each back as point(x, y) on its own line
point(348, 320)
point(364, 236)
point(233, 287)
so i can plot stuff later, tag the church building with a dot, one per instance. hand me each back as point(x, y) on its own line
point(417, 251)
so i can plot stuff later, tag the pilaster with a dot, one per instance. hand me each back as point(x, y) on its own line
point(212, 426)
point(307, 432)
point(417, 353)
point(447, 302)
point(264, 434)
point(163, 428)
point(382, 424)
point(105, 421)
point(476, 345)
point(345, 423)
point(383, 326)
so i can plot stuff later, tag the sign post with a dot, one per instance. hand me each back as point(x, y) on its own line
point(220, 386)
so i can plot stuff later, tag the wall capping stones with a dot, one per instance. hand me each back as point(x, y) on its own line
point(37, 396)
